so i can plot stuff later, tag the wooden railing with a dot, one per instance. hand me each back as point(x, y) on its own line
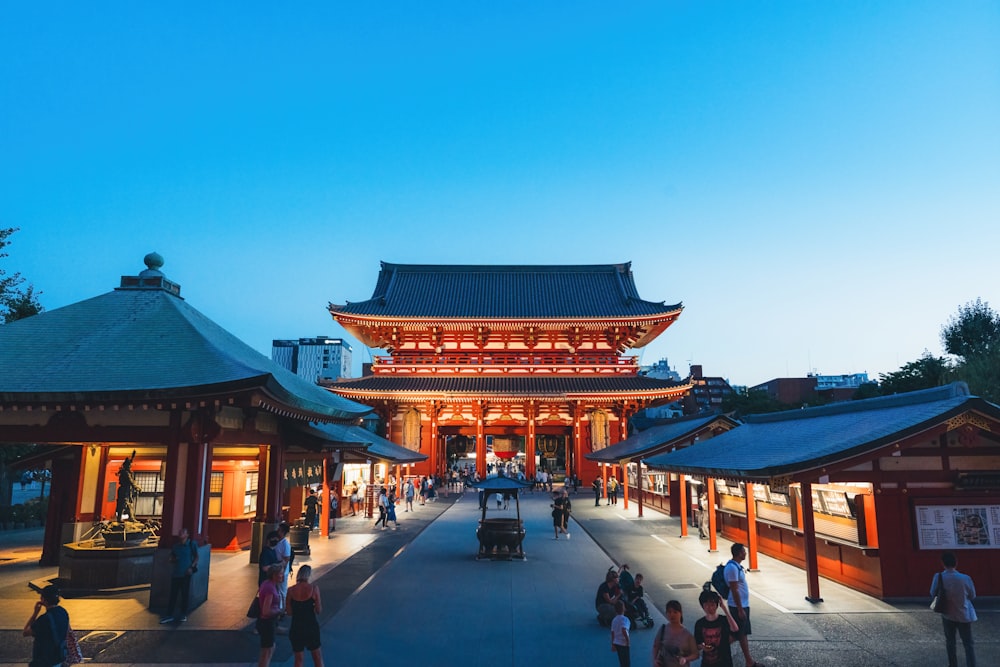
point(507, 363)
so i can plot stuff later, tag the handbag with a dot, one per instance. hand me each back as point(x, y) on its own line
point(74, 655)
point(254, 610)
point(938, 603)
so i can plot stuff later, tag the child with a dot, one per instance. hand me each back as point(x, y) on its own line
point(713, 633)
point(635, 597)
point(620, 636)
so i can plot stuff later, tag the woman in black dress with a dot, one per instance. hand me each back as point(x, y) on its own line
point(303, 603)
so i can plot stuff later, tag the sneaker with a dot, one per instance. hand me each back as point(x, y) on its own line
point(183, 619)
point(567, 536)
point(167, 619)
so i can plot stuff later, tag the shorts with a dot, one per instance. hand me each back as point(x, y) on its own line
point(307, 639)
point(744, 626)
point(265, 629)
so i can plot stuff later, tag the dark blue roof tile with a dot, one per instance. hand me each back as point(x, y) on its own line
point(499, 292)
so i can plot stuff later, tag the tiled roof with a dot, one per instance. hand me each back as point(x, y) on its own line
point(786, 443)
point(144, 344)
point(498, 292)
point(507, 385)
point(358, 438)
point(648, 442)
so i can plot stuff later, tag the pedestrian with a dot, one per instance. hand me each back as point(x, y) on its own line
point(408, 493)
point(334, 505)
point(303, 605)
point(959, 614)
point(270, 611)
point(567, 507)
point(674, 645)
point(354, 498)
point(423, 490)
point(557, 514)
point(596, 486)
point(383, 508)
point(390, 510)
point(703, 516)
point(267, 556)
point(608, 594)
point(311, 503)
point(714, 632)
point(499, 498)
point(283, 550)
point(739, 600)
point(613, 491)
point(620, 640)
point(184, 563)
point(49, 630)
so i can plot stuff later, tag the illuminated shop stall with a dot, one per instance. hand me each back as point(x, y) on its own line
point(866, 493)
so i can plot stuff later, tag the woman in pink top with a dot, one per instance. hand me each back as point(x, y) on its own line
point(270, 609)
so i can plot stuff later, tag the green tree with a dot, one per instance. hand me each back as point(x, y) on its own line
point(973, 332)
point(751, 402)
point(982, 374)
point(867, 390)
point(16, 301)
point(926, 372)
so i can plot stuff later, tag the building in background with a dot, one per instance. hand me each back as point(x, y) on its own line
point(706, 392)
point(319, 360)
point(660, 370)
point(813, 388)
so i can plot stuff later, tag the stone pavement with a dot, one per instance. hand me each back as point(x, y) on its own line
point(419, 594)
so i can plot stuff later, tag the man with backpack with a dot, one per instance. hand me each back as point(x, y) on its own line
point(738, 598)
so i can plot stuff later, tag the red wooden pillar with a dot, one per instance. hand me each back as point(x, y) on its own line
point(439, 453)
point(604, 478)
point(638, 484)
point(529, 444)
point(713, 542)
point(752, 538)
point(273, 490)
point(576, 439)
point(625, 484)
point(481, 440)
point(809, 541)
point(196, 485)
point(66, 475)
point(324, 506)
point(682, 490)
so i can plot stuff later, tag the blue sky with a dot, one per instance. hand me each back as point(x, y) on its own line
point(818, 183)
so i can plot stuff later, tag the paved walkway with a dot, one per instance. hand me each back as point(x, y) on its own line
point(419, 594)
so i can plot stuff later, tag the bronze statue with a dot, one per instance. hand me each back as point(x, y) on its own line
point(128, 491)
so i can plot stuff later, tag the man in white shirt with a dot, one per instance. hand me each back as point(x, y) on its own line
point(739, 599)
point(283, 550)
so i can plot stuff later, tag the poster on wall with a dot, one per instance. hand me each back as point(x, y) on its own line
point(958, 526)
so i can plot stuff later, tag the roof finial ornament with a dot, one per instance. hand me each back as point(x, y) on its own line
point(153, 261)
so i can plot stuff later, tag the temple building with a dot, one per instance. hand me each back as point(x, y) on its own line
point(507, 364)
point(136, 389)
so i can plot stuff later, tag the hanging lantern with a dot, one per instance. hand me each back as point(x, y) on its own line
point(504, 448)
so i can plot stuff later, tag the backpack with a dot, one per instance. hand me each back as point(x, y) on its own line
point(719, 582)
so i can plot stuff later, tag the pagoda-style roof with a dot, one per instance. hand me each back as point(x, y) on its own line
point(661, 438)
point(143, 343)
point(439, 292)
point(593, 386)
point(357, 443)
point(798, 443)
